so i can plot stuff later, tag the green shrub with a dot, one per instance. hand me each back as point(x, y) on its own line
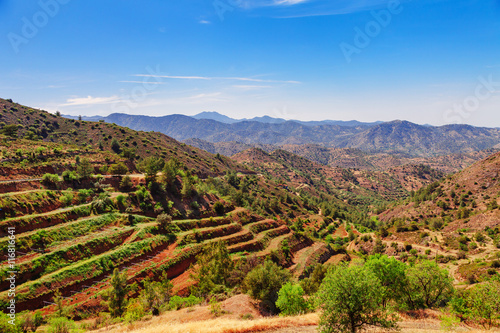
point(291, 300)
point(50, 179)
point(60, 325)
point(177, 302)
point(264, 282)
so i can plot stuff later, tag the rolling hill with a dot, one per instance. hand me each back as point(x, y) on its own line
point(392, 137)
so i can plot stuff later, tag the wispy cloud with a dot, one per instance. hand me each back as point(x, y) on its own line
point(304, 8)
point(248, 79)
point(204, 22)
point(89, 100)
point(289, 2)
point(141, 82)
point(250, 87)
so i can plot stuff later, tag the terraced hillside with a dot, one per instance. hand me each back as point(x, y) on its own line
point(72, 249)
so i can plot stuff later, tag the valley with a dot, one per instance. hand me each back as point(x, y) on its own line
point(92, 203)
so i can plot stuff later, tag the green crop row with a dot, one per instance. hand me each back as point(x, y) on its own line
point(51, 236)
point(51, 262)
point(32, 222)
point(87, 269)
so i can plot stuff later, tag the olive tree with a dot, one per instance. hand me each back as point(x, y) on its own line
point(351, 298)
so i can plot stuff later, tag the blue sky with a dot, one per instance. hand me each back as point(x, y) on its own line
point(424, 61)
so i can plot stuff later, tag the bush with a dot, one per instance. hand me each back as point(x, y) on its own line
point(126, 184)
point(177, 302)
point(291, 300)
point(165, 224)
point(69, 176)
point(118, 169)
point(311, 284)
point(60, 325)
point(6, 327)
point(219, 208)
point(264, 282)
point(50, 179)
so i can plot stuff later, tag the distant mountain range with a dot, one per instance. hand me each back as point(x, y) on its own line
point(397, 136)
point(212, 115)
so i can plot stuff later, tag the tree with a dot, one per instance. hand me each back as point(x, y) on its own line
point(115, 146)
point(214, 270)
point(126, 184)
point(351, 298)
point(484, 303)
point(150, 166)
point(291, 300)
point(170, 171)
point(165, 224)
point(391, 273)
point(118, 293)
point(85, 168)
point(188, 182)
point(312, 283)
point(156, 294)
point(10, 130)
point(219, 208)
point(118, 169)
point(58, 301)
point(427, 285)
point(264, 282)
point(101, 203)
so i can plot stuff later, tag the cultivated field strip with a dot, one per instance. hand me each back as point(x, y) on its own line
point(73, 251)
point(36, 221)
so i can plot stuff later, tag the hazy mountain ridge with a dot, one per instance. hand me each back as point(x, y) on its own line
point(401, 137)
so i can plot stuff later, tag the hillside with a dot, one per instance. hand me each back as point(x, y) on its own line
point(44, 126)
point(364, 185)
point(467, 199)
point(392, 137)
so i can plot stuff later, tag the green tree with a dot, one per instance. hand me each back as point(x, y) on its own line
point(101, 203)
point(188, 182)
point(214, 269)
point(126, 183)
point(155, 294)
point(118, 293)
point(219, 208)
point(150, 166)
point(351, 298)
point(85, 168)
point(391, 273)
point(291, 300)
point(170, 171)
point(165, 224)
point(264, 282)
point(484, 303)
point(115, 146)
point(312, 283)
point(10, 130)
point(118, 169)
point(427, 285)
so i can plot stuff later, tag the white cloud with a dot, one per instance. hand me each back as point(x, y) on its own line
point(289, 2)
point(216, 78)
point(89, 100)
point(250, 87)
point(141, 82)
point(204, 22)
